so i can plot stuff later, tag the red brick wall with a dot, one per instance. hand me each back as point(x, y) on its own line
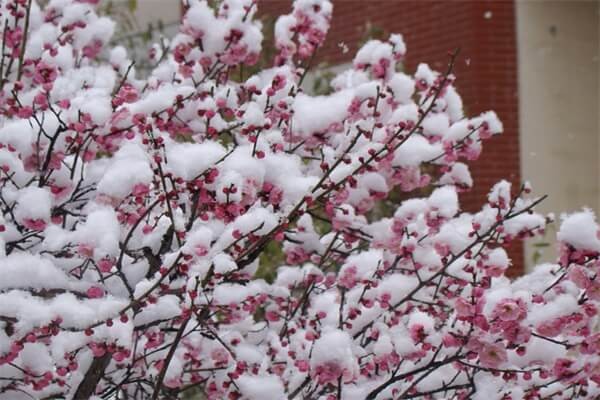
point(486, 72)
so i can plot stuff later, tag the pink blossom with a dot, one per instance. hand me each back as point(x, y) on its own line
point(219, 356)
point(579, 276)
point(463, 308)
point(492, 355)
point(328, 372)
point(44, 73)
point(34, 224)
point(105, 265)
point(510, 310)
point(92, 49)
point(95, 292)
point(562, 369)
point(86, 250)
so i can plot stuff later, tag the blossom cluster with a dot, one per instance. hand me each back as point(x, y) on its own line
point(138, 214)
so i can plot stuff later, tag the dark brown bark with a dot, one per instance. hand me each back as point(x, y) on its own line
point(87, 387)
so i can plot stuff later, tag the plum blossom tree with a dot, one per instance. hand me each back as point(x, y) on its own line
point(135, 212)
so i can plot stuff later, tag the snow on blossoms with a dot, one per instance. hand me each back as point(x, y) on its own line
point(142, 217)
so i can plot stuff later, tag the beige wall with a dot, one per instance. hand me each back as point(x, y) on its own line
point(167, 11)
point(558, 46)
point(146, 12)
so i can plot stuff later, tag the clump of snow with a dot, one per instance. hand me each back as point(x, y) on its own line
point(129, 168)
point(188, 160)
point(317, 114)
point(580, 230)
point(444, 201)
point(23, 271)
point(255, 387)
point(334, 347)
point(33, 203)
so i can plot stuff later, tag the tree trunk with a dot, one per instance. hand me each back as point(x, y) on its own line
point(87, 387)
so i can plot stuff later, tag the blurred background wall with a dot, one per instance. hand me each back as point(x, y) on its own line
point(559, 87)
